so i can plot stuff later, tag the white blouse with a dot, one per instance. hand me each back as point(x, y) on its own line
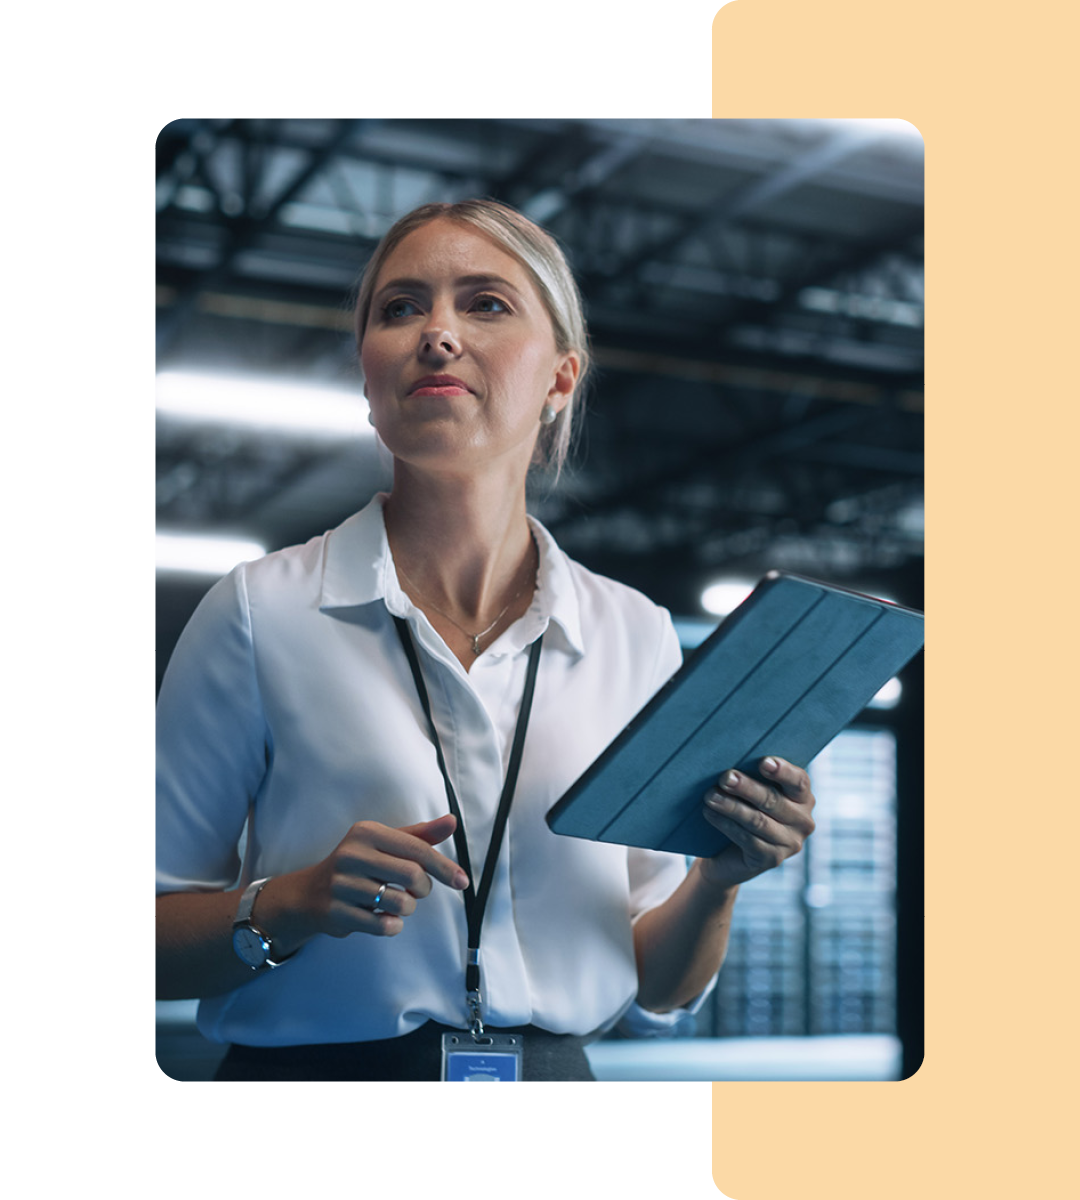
point(288, 707)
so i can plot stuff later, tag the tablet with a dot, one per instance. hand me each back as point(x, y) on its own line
point(782, 675)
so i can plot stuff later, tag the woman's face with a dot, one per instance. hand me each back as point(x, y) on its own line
point(459, 353)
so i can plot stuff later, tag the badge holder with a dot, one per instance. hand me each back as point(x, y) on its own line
point(488, 1058)
point(474, 1056)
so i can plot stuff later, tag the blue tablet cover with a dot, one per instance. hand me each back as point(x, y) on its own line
point(783, 675)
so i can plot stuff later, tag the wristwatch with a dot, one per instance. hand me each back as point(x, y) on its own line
point(252, 946)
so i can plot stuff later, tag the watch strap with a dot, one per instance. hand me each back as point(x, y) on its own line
point(247, 901)
point(243, 919)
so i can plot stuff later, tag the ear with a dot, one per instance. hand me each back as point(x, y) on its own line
point(567, 370)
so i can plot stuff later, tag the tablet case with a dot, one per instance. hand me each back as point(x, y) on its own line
point(783, 675)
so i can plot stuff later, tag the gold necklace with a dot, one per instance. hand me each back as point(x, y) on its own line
point(475, 637)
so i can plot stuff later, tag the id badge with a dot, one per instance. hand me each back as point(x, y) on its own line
point(492, 1058)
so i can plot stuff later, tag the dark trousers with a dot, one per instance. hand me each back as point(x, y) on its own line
point(415, 1057)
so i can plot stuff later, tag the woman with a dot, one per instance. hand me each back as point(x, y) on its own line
point(346, 693)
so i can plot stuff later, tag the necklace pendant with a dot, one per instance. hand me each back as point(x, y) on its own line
point(476, 643)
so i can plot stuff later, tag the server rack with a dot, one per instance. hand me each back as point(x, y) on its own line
point(813, 947)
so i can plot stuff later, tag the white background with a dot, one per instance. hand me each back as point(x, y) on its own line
point(87, 89)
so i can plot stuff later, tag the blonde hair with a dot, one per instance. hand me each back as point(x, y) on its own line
point(540, 254)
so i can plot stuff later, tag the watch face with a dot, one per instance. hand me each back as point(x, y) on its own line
point(251, 946)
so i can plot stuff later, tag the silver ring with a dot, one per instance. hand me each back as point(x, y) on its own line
point(378, 897)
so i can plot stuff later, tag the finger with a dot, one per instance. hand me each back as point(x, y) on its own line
point(785, 791)
point(752, 822)
point(792, 780)
point(764, 809)
point(361, 905)
point(378, 896)
point(765, 797)
point(411, 871)
point(758, 853)
point(397, 856)
point(432, 832)
point(351, 918)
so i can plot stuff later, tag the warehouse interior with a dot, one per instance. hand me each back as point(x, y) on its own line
point(755, 298)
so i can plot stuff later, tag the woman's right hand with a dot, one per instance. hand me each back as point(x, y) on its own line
point(336, 896)
point(195, 956)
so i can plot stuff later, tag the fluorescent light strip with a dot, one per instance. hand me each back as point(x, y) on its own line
point(268, 405)
point(726, 596)
point(888, 696)
point(875, 308)
point(198, 554)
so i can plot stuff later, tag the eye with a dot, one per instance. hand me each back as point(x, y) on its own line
point(490, 304)
point(394, 310)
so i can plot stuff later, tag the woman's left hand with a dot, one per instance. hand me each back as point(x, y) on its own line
point(766, 822)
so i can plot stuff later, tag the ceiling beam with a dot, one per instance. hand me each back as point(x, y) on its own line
point(717, 457)
point(771, 186)
point(243, 232)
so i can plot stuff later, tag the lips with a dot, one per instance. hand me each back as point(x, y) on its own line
point(439, 385)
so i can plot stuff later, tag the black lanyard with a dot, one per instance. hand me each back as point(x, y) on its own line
point(476, 900)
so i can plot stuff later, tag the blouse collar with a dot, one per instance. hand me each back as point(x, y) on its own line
point(358, 569)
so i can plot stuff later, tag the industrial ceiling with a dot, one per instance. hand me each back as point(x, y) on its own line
point(755, 297)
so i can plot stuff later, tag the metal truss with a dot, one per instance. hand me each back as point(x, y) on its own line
point(754, 290)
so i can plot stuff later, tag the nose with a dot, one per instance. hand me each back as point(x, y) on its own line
point(439, 341)
point(438, 338)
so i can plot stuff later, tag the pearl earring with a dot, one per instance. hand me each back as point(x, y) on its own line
point(548, 415)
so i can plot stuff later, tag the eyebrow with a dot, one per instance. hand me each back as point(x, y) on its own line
point(406, 283)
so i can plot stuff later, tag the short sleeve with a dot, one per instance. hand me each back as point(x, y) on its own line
point(212, 744)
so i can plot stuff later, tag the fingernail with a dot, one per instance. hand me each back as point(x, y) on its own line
point(770, 764)
point(732, 779)
point(461, 880)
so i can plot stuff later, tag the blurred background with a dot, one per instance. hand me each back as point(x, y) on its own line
point(754, 291)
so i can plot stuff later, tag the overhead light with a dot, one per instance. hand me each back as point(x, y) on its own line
point(725, 596)
point(872, 308)
point(268, 405)
point(890, 126)
point(544, 205)
point(199, 554)
point(887, 696)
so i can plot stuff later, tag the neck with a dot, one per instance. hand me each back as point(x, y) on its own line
point(463, 545)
